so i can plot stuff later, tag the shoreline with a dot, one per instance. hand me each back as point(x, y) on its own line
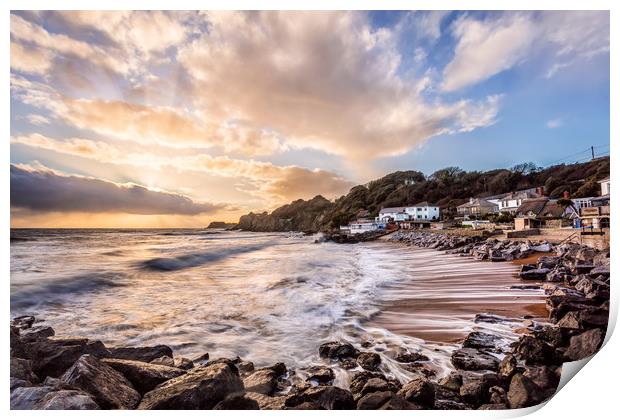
point(48, 371)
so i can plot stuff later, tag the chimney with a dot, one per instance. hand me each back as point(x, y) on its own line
point(566, 195)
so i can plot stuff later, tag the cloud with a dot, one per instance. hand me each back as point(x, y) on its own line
point(486, 47)
point(263, 179)
point(322, 80)
point(555, 123)
point(43, 190)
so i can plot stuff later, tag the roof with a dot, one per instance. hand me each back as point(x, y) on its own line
point(476, 202)
point(603, 180)
point(425, 204)
point(534, 206)
point(392, 210)
point(524, 194)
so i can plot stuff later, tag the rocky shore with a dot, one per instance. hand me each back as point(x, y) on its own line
point(64, 372)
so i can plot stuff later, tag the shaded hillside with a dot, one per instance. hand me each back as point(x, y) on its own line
point(447, 187)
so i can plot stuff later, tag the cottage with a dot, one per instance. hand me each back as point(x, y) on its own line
point(476, 207)
point(419, 212)
point(540, 212)
point(597, 214)
point(509, 203)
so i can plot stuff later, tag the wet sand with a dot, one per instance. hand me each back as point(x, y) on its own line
point(442, 293)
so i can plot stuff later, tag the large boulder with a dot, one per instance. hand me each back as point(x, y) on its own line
point(322, 375)
point(337, 350)
point(473, 359)
point(374, 400)
point(143, 376)
point(237, 402)
point(420, 391)
point(36, 333)
point(25, 398)
point(22, 369)
point(534, 350)
point(201, 388)
point(266, 402)
point(523, 392)
point(265, 380)
point(142, 354)
point(23, 322)
point(110, 389)
point(66, 400)
point(52, 356)
point(326, 397)
point(369, 360)
point(584, 345)
point(507, 367)
point(482, 340)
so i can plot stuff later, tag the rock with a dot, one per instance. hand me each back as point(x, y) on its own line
point(420, 391)
point(52, 356)
point(543, 247)
point(337, 350)
point(142, 354)
point(22, 369)
point(202, 360)
point(326, 397)
point(360, 379)
point(264, 381)
point(473, 359)
point(497, 395)
point(600, 270)
point(374, 400)
point(320, 374)
point(348, 364)
point(534, 274)
point(558, 275)
point(266, 402)
point(534, 350)
point(399, 403)
point(523, 392)
point(375, 385)
point(368, 360)
point(584, 345)
point(18, 383)
point(26, 397)
point(453, 381)
point(405, 356)
point(245, 367)
point(110, 389)
point(143, 376)
point(201, 388)
point(490, 319)
point(545, 377)
point(237, 402)
point(507, 367)
point(36, 333)
point(476, 391)
point(549, 262)
point(493, 407)
point(451, 405)
point(22, 322)
point(481, 340)
point(66, 400)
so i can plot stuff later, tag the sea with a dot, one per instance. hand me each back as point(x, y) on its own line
point(265, 297)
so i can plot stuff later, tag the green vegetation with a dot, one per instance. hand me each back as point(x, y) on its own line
point(447, 188)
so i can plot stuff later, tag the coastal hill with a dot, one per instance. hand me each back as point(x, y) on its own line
point(448, 187)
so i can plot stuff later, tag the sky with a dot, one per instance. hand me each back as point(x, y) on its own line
point(176, 119)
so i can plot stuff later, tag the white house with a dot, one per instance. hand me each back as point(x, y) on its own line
point(423, 211)
point(420, 211)
point(583, 202)
point(394, 213)
point(604, 186)
point(510, 202)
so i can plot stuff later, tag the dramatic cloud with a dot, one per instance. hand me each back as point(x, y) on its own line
point(279, 183)
point(487, 47)
point(43, 190)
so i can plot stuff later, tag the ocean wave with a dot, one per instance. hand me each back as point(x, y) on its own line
point(55, 291)
point(197, 259)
